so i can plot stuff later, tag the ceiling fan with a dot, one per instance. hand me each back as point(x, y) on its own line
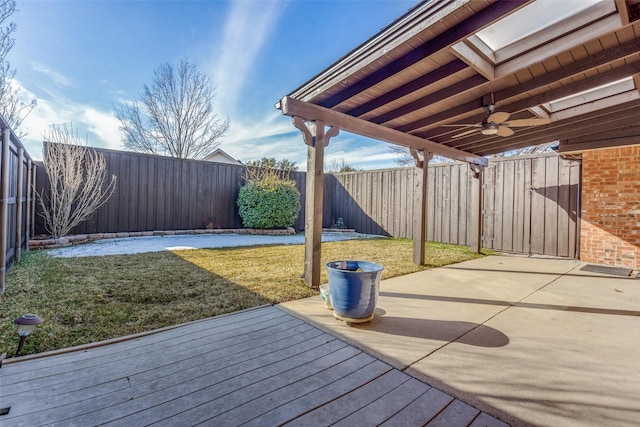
point(496, 123)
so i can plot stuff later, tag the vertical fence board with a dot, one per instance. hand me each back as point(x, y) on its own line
point(551, 206)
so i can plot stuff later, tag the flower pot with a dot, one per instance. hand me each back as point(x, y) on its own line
point(354, 287)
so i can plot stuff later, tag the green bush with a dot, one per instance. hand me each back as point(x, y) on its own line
point(269, 202)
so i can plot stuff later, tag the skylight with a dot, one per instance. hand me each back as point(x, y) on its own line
point(529, 20)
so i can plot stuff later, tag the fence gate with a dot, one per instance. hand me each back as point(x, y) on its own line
point(531, 205)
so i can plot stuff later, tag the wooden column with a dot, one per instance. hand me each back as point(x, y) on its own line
point(317, 139)
point(4, 200)
point(19, 204)
point(420, 205)
point(27, 226)
point(34, 197)
point(478, 203)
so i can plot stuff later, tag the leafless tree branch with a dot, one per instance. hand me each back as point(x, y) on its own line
point(175, 116)
point(12, 106)
point(77, 181)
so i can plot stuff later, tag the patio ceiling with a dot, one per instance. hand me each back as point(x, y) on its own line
point(444, 61)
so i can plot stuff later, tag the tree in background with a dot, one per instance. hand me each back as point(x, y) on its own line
point(272, 163)
point(175, 117)
point(404, 158)
point(78, 183)
point(340, 165)
point(12, 108)
point(258, 169)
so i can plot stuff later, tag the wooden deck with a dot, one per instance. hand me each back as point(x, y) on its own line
point(260, 367)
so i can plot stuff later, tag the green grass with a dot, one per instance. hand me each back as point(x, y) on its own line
point(83, 300)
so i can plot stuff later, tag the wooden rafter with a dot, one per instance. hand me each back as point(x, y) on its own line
point(453, 35)
point(414, 85)
point(577, 68)
point(293, 107)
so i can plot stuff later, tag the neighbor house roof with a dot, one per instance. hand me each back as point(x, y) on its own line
point(219, 156)
point(432, 77)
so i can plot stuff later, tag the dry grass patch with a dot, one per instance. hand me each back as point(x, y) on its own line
point(83, 300)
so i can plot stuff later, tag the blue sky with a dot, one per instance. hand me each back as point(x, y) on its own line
point(79, 58)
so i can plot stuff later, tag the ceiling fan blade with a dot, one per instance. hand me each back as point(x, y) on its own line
point(477, 125)
point(504, 131)
point(528, 122)
point(469, 132)
point(498, 117)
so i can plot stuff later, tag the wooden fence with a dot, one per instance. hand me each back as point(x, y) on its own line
point(16, 202)
point(530, 203)
point(164, 193)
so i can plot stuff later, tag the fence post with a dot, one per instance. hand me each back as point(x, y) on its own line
point(4, 201)
point(27, 225)
point(19, 202)
point(34, 197)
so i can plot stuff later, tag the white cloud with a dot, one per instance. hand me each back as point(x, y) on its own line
point(247, 28)
point(101, 128)
point(58, 78)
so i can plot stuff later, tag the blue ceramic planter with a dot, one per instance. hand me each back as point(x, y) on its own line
point(354, 287)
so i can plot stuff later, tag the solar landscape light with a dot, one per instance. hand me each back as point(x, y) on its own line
point(26, 324)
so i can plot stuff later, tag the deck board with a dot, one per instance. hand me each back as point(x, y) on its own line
point(257, 367)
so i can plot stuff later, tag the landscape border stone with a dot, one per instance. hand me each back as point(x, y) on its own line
point(79, 239)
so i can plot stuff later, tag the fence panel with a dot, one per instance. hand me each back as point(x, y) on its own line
point(164, 193)
point(530, 204)
point(16, 172)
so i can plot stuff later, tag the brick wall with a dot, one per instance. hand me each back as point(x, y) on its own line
point(610, 225)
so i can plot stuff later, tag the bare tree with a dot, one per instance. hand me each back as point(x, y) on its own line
point(404, 157)
point(341, 165)
point(12, 107)
point(77, 181)
point(175, 117)
point(533, 149)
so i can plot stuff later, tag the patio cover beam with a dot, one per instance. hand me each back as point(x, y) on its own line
point(294, 107)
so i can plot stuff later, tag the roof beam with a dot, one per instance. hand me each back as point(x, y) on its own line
point(562, 73)
point(556, 31)
point(293, 107)
point(432, 98)
point(453, 35)
point(560, 45)
point(606, 142)
point(417, 84)
point(474, 60)
point(623, 10)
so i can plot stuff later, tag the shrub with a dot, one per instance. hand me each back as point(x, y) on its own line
point(269, 202)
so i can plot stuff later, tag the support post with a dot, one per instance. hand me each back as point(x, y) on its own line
point(4, 200)
point(19, 204)
point(317, 139)
point(478, 202)
point(27, 225)
point(420, 205)
point(34, 197)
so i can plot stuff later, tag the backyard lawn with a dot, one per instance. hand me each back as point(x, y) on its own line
point(84, 300)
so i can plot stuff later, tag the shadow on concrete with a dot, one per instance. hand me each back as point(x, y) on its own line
point(577, 309)
point(547, 273)
point(441, 330)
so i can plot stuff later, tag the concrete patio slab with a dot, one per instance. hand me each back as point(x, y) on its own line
point(533, 341)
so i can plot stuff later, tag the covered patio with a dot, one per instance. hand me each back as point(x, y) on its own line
point(469, 79)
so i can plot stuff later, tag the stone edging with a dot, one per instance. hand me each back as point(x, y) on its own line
point(79, 239)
